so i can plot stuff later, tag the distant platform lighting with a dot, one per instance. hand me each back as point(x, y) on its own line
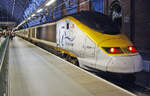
point(50, 2)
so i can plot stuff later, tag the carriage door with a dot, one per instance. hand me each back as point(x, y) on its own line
point(61, 31)
point(29, 35)
point(89, 49)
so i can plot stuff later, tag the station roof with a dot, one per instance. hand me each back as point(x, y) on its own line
point(21, 10)
point(15, 10)
point(12, 10)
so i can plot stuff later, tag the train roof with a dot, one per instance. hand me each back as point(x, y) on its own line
point(97, 21)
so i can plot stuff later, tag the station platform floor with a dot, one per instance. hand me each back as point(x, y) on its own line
point(35, 72)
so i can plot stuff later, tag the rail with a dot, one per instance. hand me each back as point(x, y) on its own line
point(4, 66)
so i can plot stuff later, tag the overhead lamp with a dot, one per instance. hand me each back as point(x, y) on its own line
point(24, 21)
point(50, 2)
point(38, 11)
point(29, 18)
point(33, 15)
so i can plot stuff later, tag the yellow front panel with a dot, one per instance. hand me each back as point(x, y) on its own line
point(103, 40)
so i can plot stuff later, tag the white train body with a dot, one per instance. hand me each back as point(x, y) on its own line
point(90, 46)
point(90, 55)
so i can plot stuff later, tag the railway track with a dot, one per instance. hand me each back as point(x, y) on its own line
point(138, 90)
point(129, 85)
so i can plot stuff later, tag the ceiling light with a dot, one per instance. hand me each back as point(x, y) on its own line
point(29, 18)
point(39, 10)
point(33, 15)
point(50, 2)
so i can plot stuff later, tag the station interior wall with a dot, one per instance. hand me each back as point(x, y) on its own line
point(135, 22)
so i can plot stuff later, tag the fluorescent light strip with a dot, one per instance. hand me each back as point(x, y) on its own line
point(33, 15)
point(39, 10)
point(50, 2)
point(29, 18)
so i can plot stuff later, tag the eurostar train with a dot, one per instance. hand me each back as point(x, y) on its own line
point(90, 37)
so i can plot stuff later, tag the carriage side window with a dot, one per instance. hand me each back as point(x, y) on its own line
point(67, 25)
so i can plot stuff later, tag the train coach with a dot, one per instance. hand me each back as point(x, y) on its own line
point(91, 39)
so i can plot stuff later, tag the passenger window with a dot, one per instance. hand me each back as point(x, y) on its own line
point(67, 25)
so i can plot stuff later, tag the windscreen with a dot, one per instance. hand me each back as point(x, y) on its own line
point(98, 22)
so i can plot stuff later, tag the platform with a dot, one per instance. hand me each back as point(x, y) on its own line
point(35, 72)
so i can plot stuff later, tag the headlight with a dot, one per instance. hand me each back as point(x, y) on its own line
point(113, 50)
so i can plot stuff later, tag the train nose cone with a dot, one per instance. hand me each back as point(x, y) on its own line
point(122, 63)
point(126, 64)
